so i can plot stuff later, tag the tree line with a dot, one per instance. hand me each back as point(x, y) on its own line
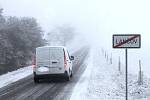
point(19, 36)
point(61, 35)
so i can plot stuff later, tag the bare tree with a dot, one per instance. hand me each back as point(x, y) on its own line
point(61, 35)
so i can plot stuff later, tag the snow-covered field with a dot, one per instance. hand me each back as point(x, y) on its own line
point(102, 81)
point(14, 76)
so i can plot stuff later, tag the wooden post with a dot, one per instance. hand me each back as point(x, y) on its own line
point(140, 76)
point(107, 58)
point(111, 59)
point(119, 65)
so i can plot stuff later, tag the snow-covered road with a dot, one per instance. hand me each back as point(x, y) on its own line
point(21, 73)
point(50, 89)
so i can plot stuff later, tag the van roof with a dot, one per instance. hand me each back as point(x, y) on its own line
point(52, 46)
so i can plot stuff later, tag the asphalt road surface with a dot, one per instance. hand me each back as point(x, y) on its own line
point(54, 89)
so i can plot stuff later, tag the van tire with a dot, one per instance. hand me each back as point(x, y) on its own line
point(36, 79)
point(67, 78)
point(71, 74)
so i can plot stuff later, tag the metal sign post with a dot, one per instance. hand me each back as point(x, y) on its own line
point(126, 54)
point(126, 41)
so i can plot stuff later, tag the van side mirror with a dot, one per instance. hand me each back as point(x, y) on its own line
point(71, 57)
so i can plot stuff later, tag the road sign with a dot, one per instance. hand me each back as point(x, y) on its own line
point(126, 41)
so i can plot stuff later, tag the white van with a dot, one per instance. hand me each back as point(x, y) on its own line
point(52, 61)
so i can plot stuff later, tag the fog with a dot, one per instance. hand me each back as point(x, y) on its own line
point(95, 20)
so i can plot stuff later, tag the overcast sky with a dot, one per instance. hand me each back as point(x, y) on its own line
point(92, 17)
point(97, 20)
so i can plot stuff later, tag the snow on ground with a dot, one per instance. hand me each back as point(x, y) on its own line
point(14, 76)
point(96, 82)
point(136, 92)
point(102, 81)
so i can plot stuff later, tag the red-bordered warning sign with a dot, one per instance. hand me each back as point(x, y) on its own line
point(126, 41)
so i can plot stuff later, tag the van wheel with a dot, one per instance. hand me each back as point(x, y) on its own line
point(71, 74)
point(36, 80)
point(68, 77)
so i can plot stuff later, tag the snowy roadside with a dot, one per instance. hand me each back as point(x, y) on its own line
point(81, 86)
point(136, 92)
point(97, 82)
point(14, 76)
point(102, 81)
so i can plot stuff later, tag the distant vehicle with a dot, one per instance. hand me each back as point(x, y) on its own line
point(52, 61)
